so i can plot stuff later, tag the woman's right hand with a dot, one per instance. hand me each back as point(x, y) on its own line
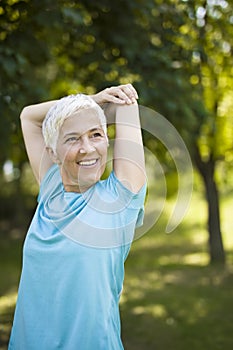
point(121, 94)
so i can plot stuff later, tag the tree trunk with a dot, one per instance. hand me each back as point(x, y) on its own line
point(206, 169)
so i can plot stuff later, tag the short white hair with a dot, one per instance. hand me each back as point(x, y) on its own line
point(64, 108)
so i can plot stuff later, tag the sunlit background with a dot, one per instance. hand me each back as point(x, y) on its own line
point(178, 54)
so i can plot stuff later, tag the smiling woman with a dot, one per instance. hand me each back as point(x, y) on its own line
point(80, 235)
point(79, 146)
point(65, 108)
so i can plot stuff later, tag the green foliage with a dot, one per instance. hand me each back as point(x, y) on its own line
point(178, 54)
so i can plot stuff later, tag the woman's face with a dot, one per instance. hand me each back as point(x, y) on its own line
point(81, 151)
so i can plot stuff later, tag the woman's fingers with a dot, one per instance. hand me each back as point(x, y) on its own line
point(130, 91)
point(122, 94)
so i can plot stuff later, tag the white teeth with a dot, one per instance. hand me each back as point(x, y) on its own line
point(87, 162)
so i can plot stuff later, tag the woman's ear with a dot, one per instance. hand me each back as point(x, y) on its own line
point(53, 155)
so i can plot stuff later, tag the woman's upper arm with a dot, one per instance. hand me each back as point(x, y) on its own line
point(129, 162)
point(32, 133)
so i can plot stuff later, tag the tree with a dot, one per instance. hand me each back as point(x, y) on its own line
point(29, 30)
point(211, 30)
point(177, 53)
point(209, 34)
point(184, 48)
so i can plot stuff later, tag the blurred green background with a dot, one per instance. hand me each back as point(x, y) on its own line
point(178, 54)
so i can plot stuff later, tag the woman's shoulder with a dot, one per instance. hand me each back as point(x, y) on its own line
point(113, 187)
point(50, 181)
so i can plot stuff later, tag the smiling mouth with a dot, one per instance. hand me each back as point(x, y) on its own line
point(87, 163)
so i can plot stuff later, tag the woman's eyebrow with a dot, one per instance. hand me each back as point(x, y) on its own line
point(95, 129)
point(73, 133)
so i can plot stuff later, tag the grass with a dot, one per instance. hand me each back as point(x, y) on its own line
point(10, 267)
point(172, 298)
point(171, 301)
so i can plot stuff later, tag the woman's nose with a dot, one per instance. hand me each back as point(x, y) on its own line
point(86, 146)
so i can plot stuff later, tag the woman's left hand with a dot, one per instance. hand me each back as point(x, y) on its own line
point(121, 94)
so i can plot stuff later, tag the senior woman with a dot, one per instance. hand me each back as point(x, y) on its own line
point(80, 235)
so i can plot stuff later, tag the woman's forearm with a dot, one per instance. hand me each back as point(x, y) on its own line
point(129, 161)
point(127, 122)
point(36, 113)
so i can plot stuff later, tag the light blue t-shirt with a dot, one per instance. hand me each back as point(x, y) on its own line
point(73, 266)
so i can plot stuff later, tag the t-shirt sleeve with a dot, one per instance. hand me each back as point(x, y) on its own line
point(134, 201)
point(51, 177)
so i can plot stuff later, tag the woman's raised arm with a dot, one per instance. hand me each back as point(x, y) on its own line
point(31, 121)
point(122, 108)
point(129, 162)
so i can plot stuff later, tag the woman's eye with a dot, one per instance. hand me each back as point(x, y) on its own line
point(97, 134)
point(72, 139)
